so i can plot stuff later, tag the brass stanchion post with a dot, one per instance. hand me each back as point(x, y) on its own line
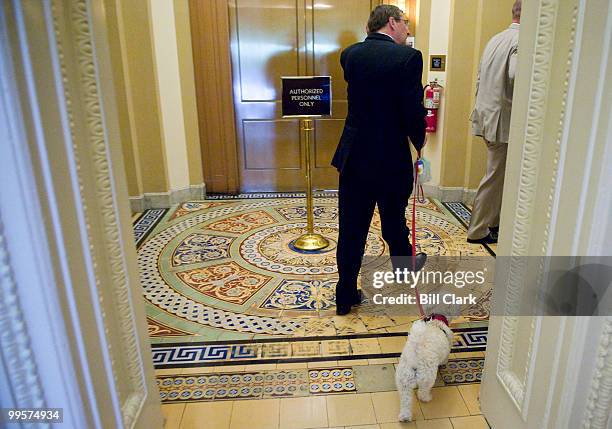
point(310, 240)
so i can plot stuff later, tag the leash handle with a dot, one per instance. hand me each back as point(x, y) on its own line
point(418, 188)
point(414, 244)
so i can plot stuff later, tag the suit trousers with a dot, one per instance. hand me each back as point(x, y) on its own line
point(358, 195)
point(487, 204)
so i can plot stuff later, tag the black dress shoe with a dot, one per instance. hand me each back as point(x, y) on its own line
point(419, 261)
point(406, 263)
point(359, 298)
point(343, 309)
point(487, 239)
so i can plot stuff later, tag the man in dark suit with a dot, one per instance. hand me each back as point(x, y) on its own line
point(373, 156)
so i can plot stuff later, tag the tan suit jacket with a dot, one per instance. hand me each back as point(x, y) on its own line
point(491, 115)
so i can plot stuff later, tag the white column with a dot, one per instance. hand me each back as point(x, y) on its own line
point(169, 90)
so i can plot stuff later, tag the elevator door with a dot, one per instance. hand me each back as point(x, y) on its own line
point(274, 38)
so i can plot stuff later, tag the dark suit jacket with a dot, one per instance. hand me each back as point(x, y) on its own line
point(385, 107)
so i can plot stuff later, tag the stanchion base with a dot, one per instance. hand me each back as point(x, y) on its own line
point(311, 242)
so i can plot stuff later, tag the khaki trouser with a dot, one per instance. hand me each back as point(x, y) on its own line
point(487, 204)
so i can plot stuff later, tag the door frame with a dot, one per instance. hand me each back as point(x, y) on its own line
point(71, 307)
point(210, 39)
point(557, 202)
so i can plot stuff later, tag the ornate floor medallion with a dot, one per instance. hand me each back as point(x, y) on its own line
point(303, 295)
point(225, 269)
point(190, 207)
point(226, 282)
point(271, 249)
point(243, 222)
point(200, 248)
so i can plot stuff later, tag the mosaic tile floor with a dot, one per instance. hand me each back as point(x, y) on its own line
point(291, 383)
point(265, 351)
point(244, 332)
point(222, 269)
point(463, 213)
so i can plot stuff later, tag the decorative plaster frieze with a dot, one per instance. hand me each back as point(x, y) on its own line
point(102, 211)
point(531, 157)
point(554, 179)
point(599, 402)
point(15, 349)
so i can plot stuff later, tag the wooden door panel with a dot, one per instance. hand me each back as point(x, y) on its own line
point(267, 46)
point(275, 38)
point(209, 22)
point(327, 135)
point(272, 144)
point(273, 158)
point(335, 27)
point(267, 43)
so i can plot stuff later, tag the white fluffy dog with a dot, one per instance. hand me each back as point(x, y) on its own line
point(428, 347)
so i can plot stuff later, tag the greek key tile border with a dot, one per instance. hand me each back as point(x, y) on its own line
point(311, 349)
point(463, 214)
point(460, 211)
point(147, 223)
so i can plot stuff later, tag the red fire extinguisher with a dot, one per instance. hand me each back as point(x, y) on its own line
point(433, 93)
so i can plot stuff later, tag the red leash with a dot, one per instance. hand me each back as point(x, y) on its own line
point(418, 190)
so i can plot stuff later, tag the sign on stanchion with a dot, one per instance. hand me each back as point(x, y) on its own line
point(307, 97)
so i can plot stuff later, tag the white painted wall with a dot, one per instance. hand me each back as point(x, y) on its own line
point(438, 35)
point(169, 86)
point(438, 45)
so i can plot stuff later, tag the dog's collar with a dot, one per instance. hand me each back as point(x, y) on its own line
point(439, 317)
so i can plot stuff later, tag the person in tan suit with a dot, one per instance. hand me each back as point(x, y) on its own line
point(491, 120)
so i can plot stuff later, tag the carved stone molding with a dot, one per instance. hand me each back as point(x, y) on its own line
point(14, 338)
point(599, 402)
point(558, 139)
point(90, 139)
point(527, 193)
point(536, 112)
point(23, 379)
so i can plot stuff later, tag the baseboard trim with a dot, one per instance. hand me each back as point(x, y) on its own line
point(468, 196)
point(162, 200)
point(137, 204)
point(448, 194)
